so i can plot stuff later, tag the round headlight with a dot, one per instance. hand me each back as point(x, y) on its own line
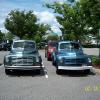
point(89, 60)
point(61, 60)
point(7, 59)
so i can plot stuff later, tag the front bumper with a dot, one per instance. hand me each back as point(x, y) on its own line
point(74, 67)
point(23, 67)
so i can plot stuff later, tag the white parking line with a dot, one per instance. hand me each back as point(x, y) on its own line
point(45, 71)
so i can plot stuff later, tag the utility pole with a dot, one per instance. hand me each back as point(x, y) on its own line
point(99, 42)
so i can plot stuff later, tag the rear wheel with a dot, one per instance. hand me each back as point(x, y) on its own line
point(48, 59)
point(45, 54)
point(53, 62)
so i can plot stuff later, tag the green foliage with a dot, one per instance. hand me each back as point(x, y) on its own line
point(53, 38)
point(78, 18)
point(9, 36)
point(70, 18)
point(37, 38)
point(43, 28)
point(20, 23)
point(24, 25)
point(91, 11)
point(96, 61)
point(2, 35)
point(70, 36)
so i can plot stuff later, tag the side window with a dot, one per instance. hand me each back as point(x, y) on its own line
point(29, 45)
point(64, 46)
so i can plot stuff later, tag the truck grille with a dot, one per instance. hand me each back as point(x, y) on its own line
point(23, 61)
point(74, 62)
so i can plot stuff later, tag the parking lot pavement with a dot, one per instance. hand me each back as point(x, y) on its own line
point(91, 51)
point(30, 85)
point(2, 54)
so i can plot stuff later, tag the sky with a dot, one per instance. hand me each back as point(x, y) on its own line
point(44, 14)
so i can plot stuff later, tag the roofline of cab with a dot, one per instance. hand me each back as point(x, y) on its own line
point(24, 41)
point(68, 42)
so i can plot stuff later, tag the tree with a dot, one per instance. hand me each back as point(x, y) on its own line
point(37, 38)
point(91, 11)
point(21, 23)
point(53, 38)
point(2, 35)
point(43, 28)
point(9, 36)
point(69, 37)
point(71, 18)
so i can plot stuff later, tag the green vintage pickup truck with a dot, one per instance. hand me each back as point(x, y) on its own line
point(23, 56)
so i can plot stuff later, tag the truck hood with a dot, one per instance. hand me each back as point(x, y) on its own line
point(23, 51)
point(71, 53)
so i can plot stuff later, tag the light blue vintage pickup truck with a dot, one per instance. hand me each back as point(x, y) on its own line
point(69, 56)
point(23, 56)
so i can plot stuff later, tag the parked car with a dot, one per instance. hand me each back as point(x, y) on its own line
point(5, 46)
point(49, 49)
point(23, 56)
point(69, 56)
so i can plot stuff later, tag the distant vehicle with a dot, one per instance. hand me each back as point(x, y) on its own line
point(69, 56)
point(42, 44)
point(5, 46)
point(49, 49)
point(23, 56)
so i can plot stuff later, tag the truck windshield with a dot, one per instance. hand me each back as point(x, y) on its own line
point(69, 46)
point(25, 45)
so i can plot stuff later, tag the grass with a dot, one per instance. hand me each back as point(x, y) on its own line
point(96, 61)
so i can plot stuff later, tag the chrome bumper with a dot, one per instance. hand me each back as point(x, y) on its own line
point(74, 68)
point(23, 67)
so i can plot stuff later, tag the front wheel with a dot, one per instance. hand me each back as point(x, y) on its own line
point(7, 71)
point(58, 71)
point(87, 71)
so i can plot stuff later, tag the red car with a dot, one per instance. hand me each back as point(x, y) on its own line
point(49, 49)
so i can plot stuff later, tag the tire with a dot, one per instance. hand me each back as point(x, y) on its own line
point(7, 72)
point(48, 59)
point(58, 71)
point(87, 71)
point(45, 55)
point(53, 62)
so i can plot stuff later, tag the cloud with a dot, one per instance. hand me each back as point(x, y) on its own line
point(52, 1)
point(47, 17)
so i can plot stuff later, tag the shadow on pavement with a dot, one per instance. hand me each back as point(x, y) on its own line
point(0, 64)
point(75, 73)
point(32, 73)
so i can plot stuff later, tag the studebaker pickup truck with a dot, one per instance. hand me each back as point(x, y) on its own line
point(23, 56)
point(69, 56)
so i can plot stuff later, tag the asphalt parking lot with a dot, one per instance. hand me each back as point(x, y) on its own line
point(31, 85)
